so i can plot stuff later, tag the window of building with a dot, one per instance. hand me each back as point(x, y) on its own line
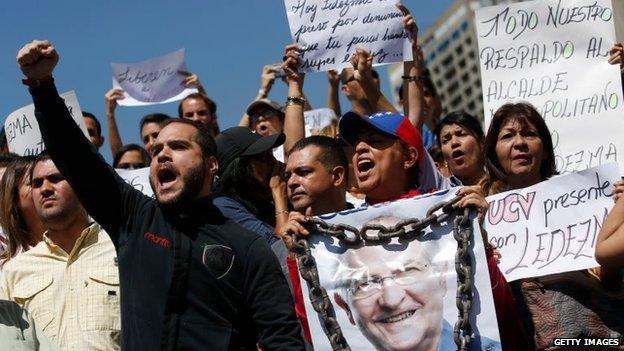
point(443, 46)
point(450, 73)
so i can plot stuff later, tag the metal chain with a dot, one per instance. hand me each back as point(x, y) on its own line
point(378, 234)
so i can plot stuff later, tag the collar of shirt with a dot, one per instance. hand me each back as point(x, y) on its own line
point(87, 238)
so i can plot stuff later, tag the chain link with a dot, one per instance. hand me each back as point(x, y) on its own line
point(407, 229)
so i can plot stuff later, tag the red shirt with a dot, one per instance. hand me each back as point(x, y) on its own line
point(293, 271)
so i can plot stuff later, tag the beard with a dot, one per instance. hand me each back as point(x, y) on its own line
point(193, 182)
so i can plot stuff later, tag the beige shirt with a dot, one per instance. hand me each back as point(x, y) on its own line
point(73, 298)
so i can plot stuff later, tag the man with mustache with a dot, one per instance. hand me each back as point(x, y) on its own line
point(190, 278)
point(69, 282)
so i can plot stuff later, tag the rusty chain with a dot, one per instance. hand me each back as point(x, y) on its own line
point(378, 234)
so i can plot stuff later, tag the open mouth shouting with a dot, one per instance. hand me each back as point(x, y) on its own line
point(364, 167)
point(457, 156)
point(166, 176)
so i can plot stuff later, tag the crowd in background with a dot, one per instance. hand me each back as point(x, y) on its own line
point(88, 262)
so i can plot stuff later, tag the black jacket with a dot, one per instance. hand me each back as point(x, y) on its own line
point(190, 279)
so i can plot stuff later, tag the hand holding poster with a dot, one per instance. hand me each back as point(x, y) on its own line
point(401, 294)
point(155, 81)
point(554, 54)
point(330, 30)
point(22, 129)
point(551, 227)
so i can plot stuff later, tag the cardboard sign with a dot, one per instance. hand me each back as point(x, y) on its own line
point(22, 129)
point(319, 118)
point(138, 178)
point(330, 30)
point(402, 292)
point(154, 81)
point(554, 55)
point(551, 227)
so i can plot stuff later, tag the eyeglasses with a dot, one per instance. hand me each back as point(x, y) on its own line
point(129, 165)
point(266, 113)
point(369, 286)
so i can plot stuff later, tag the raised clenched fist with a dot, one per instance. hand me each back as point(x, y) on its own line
point(37, 59)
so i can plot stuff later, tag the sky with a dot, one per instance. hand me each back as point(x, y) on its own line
point(227, 43)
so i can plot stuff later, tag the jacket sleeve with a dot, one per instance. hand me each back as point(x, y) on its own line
point(105, 196)
point(269, 300)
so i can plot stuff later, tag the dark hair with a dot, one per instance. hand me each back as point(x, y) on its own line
point(132, 147)
point(462, 119)
point(7, 157)
point(525, 114)
point(4, 144)
point(98, 126)
point(212, 106)
point(11, 218)
point(203, 138)
point(43, 156)
point(238, 183)
point(331, 155)
point(158, 118)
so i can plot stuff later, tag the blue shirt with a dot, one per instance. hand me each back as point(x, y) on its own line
point(235, 211)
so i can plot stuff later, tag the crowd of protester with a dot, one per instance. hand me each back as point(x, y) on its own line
point(89, 263)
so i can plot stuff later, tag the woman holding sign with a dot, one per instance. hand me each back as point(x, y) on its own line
point(519, 153)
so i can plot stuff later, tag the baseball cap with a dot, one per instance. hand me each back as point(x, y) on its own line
point(391, 124)
point(266, 103)
point(241, 141)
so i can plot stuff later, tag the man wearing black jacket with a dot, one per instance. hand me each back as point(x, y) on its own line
point(189, 278)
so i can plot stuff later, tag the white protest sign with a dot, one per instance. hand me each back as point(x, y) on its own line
point(330, 30)
point(418, 275)
point(22, 129)
point(138, 178)
point(554, 54)
point(154, 81)
point(319, 118)
point(551, 227)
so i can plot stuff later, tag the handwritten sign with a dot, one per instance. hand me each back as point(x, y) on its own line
point(138, 178)
point(330, 30)
point(419, 272)
point(319, 118)
point(554, 54)
point(551, 227)
point(22, 129)
point(154, 81)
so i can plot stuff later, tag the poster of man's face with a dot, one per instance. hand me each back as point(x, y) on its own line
point(399, 295)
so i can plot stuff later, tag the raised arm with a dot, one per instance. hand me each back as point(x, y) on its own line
point(110, 103)
point(333, 99)
point(610, 244)
point(267, 78)
point(362, 62)
point(295, 102)
point(413, 90)
point(192, 81)
point(100, 190)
